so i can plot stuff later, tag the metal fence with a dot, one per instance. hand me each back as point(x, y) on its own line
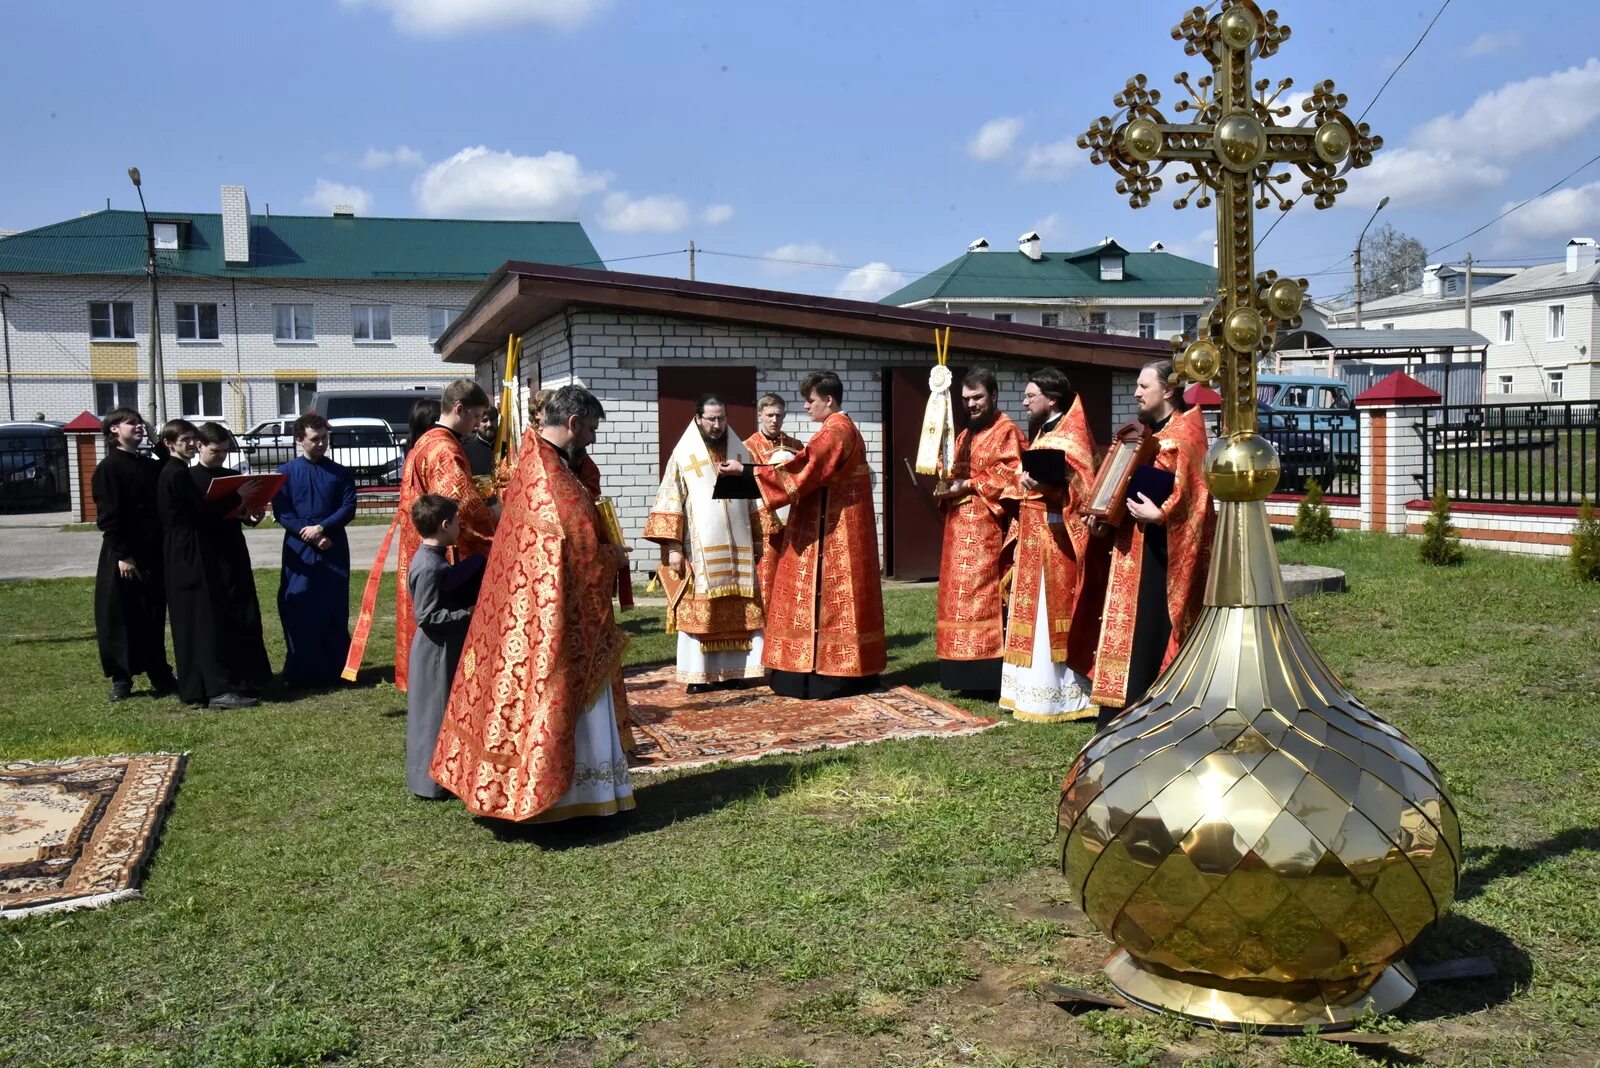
point(1513, 453)
point(375, 455)
point(1311, 446)
point(34, 475)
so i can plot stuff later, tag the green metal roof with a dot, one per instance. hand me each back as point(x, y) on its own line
point(299, 246)
point(1010, 276)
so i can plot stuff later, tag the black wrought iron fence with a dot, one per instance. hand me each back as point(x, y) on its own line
point(1312, 446)
point(1513, 453)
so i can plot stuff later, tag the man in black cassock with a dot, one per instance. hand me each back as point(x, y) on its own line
point(130, 600)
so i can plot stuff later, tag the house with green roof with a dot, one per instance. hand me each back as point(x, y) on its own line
point(256, 312)
point(1105, 288)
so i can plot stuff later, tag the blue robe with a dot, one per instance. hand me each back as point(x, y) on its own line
point(314, 589)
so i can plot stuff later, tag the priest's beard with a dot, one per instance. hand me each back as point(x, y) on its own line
point(1037, 423)
point(718, 442)
point(979, 423)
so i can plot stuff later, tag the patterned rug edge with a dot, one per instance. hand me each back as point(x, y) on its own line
point(136, 870)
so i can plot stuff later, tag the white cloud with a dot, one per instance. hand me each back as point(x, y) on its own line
point(1565, 213)
point(797, 258)
point(995, 139)
point(1051, 162)
point(326, 194)
point(1292, 101)
point(875, 280)
point(716, 214)
point(1049, 227)
point(623, 214)
point(402, 156)
point(445, 18)
point(1536, 113)
point(1489, 43)
point(478, 183)
point(1199, 245)
point(1419, 175)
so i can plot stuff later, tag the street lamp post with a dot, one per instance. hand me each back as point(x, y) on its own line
point(158, 377)
point(1359, 240)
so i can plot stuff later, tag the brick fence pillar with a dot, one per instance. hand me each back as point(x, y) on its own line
point(1393, 449)
point(84, 445)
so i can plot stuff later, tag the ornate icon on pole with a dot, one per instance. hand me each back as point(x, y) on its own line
point(1260, 845)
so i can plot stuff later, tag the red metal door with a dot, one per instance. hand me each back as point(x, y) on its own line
point(679, 389)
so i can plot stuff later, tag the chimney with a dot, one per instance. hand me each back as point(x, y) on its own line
point(1432, 286)
point(235, 226)
point(980, 245)
point(1581, 254)
point(344, 211)
point(1028, 245)
point(1157, 246)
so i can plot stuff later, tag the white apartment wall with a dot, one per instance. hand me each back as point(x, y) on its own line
point(1530, 355)
point(53, 363)
point(1120, 319)
point(616, 355)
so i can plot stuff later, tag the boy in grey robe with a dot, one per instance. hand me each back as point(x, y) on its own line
point(443, 595)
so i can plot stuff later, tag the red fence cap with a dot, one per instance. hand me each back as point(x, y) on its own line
point(1202, 396)
point(1395, 389)
point(86, 421)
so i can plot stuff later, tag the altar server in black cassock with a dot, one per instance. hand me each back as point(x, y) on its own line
point(316, 501)
point(130, 598)
point(211, 594)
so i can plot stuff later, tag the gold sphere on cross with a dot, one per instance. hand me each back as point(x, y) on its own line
point(1237, 27)
point(1242, 467)
point(1201, 361)
point(1240, 141)
point(1142, 139)
point(1244, 329)
point(1285, 298)
point(1332, 142)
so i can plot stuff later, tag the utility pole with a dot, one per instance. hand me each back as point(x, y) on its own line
point(691, 261)
point(1359, 241)
point(1469, 291)
point(158, 377)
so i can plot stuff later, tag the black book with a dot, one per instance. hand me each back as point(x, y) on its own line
point(1153, 482)
point(1046, 466)
point(740, 487)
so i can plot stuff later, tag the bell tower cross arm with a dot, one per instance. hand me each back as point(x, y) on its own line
point(1230, 153)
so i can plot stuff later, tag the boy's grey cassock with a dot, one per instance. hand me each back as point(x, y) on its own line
point(442, 595)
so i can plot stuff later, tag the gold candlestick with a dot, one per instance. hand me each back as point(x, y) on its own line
point(1260, 845)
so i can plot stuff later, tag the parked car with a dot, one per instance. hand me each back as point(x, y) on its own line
point(1313, 422)
point(33, 465)
point(393, 406)
point(270, 444)
point(369, 448)
point(238, 457)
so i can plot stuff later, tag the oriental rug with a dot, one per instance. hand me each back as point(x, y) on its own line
point(77, 833)
point(675, 730)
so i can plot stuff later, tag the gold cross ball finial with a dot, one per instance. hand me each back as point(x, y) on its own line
point(1230, 153)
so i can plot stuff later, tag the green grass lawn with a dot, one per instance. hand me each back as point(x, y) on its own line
point(885, 904)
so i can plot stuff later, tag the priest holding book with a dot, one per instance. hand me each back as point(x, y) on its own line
point(1048, 644)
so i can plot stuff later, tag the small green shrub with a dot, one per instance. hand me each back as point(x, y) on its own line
point(1313, 523)
point(1586, 544)
point(1441, 545)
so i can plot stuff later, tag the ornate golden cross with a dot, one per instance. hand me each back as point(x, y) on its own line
point(697, 465)
point(1231, 150)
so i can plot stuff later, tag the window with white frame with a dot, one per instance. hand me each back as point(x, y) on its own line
point(1508, 325)
point(1191, 325)
point(294, 397)
point(439, 320)
point(111, 320)
point(293, 322)
point(1049, 318)
point(200, 400)
point(1555, 380)
point(1002, 317)
point(1556, 323)
point(109, 395)
point(1097, 322)
point(197, 322)
point(1505, 383)
point(369, 322)
point(1147, 324)
point(164, 235)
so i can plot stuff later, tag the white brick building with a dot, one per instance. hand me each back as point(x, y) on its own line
point(648, 346)
point(257, 311)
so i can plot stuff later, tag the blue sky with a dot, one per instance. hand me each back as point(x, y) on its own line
point(874, 139)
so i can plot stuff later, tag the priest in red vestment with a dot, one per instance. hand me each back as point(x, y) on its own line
point(769, 445)
point(438, 464)
point(970, 631)
point(824, 633)
point(1047, 646)
point(1160, 552)
point(531, 730)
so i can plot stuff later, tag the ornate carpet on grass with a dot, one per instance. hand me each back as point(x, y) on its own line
point(77, 833)
point(674, 730)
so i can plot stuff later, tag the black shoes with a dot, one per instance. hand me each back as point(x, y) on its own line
point(692, 688)
point(231, 701)
point(121, 690)
point(160, 688)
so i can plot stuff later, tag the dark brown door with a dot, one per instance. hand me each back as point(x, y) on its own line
point(1094, 386)
point(913, 528)
point(679, 389)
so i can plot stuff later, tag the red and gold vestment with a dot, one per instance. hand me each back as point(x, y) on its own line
point(825, 613)
point(761, 449)
point(542, 648)
point(971, 624)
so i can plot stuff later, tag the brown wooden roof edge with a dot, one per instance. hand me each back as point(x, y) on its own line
point(540, 290)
